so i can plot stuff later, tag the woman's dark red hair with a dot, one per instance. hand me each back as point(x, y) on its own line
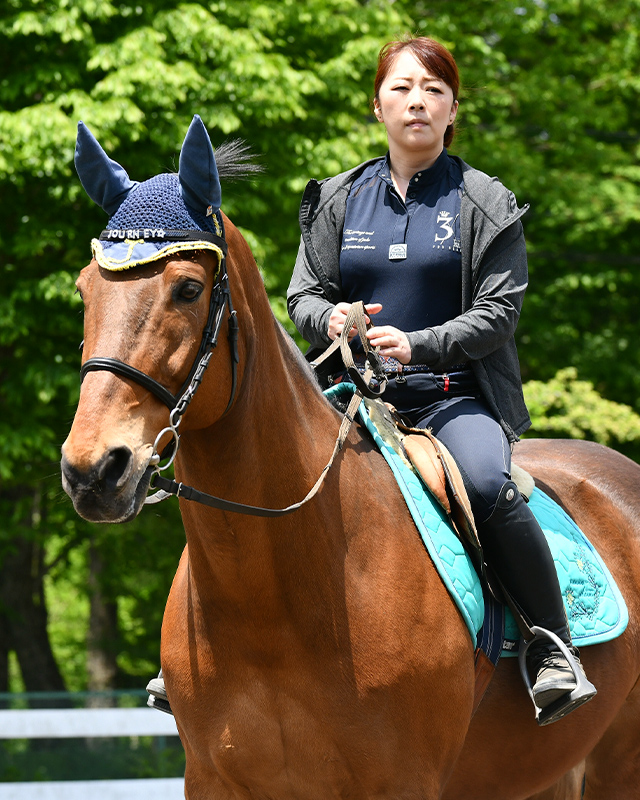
point(432, 55)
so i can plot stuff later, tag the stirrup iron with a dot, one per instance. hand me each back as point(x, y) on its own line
point(583, 692)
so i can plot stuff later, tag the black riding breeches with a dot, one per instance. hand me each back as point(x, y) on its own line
point(454, 412)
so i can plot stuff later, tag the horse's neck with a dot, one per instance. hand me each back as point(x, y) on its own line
point(281, 427)
point(268, 451)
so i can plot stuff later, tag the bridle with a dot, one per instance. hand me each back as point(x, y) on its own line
point(178, 403)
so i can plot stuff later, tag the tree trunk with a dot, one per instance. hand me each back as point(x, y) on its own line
point(5, 649)
point(25, 614)
point(22, 600)
point(102, 637)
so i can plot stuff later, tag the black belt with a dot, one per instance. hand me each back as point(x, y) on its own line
point(394, 367)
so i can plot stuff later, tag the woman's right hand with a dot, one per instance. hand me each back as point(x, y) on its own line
point(339, 315)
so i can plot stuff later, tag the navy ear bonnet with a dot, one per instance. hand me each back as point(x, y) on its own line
point(151, 220)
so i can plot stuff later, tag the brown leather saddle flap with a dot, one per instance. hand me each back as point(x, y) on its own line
point(437, 468)
point(440, 473)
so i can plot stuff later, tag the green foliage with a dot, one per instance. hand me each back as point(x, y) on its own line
point(566, 407)
point(274, 73)
point(68, 606)
point(550, 105)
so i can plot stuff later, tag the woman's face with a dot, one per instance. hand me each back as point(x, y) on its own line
point(416, 107)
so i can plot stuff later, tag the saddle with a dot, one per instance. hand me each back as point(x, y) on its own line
point(428, 457)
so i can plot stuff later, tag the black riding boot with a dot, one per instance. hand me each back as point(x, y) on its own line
point(516, 549)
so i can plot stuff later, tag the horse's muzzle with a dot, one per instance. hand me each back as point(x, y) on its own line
point(111, 490)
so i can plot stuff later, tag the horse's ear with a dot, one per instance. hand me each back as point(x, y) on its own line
point(105, 181)
point(198, 172)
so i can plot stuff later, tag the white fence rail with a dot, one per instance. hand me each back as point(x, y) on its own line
point(89, 723)
point(134, 789)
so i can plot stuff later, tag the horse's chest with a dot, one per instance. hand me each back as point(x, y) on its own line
point(273, 747)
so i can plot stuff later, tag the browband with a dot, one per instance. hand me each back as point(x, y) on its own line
point(162, 235)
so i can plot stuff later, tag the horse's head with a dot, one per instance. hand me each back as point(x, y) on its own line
point(156, 298)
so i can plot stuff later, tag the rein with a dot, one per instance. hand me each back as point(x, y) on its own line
point(356, 317)
point(167, 488)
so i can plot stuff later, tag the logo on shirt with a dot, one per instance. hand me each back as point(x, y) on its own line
point(397, 252)
point(357, 240)
point(446, 221)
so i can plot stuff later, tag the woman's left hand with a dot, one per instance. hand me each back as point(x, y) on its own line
point(392, 342)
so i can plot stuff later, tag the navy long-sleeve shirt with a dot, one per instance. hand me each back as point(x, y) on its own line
point(405, 254)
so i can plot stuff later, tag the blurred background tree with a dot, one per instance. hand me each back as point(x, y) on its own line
point(549, 105)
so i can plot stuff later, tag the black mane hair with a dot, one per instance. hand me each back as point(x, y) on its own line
point(235, 161)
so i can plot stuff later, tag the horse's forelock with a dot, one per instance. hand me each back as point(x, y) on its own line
point(235, 160)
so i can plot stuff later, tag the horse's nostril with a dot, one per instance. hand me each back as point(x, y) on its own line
point(115, 468)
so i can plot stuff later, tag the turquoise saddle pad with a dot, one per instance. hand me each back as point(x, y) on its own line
point(595, 607)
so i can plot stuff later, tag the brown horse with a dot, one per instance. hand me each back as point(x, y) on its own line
point(318, 654)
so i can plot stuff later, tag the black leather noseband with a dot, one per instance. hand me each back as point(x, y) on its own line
point(127, 371)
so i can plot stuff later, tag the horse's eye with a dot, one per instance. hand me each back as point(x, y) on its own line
point(189, 291)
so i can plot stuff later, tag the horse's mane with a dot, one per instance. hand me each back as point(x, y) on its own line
point(296, 353)
point(235, 160)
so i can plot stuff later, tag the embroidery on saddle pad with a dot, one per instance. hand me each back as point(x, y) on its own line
point(595, 607)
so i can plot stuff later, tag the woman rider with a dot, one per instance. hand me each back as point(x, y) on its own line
point(435, 249)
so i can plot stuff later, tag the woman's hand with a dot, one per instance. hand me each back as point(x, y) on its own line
point(392, 342)
point(339, 315)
